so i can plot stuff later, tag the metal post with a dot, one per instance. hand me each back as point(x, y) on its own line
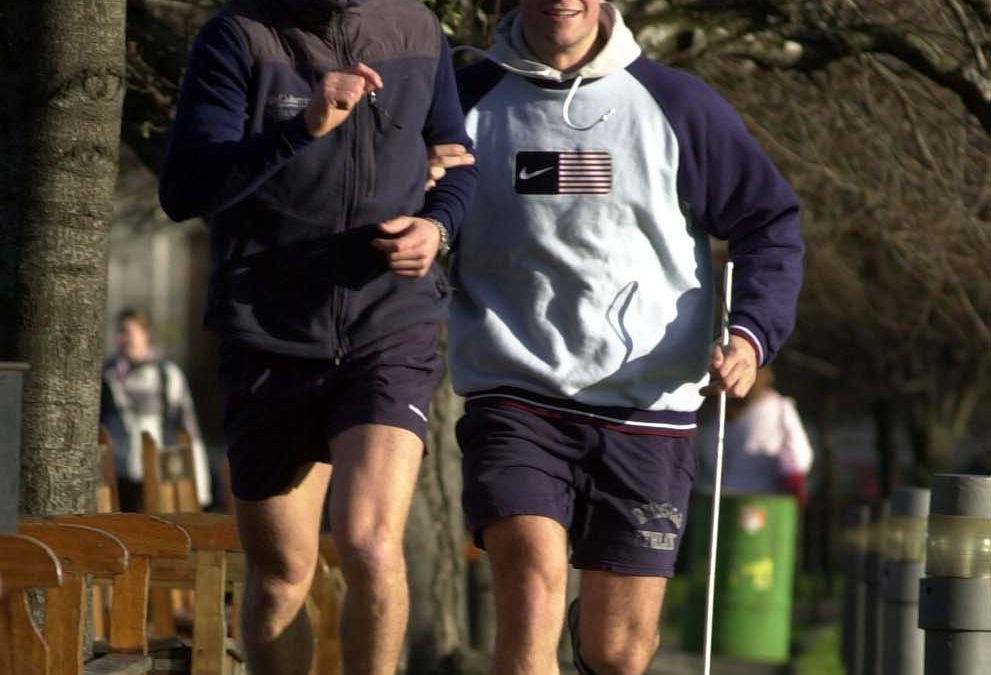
point(858, 518)
point(11, 388)
point(955, 596)
point(902, 566)
point(874, 623)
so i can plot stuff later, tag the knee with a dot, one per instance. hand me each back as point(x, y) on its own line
point(370, 558)
point(630, 655)
point(280, 582)
point(529, 590)
point(533, 581)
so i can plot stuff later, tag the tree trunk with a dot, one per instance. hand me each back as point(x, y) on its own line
point(63, 66)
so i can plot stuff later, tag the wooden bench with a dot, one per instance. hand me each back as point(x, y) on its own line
point(83, 551)
point(146, 539)
point(215, 567)
point(24, 563)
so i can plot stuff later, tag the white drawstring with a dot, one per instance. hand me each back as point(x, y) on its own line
point(567, 104)
point(537, 71)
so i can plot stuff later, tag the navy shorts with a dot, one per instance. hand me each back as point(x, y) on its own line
point(622, 497)
point(280, 412)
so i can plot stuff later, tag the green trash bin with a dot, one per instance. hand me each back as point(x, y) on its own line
point(754, 575)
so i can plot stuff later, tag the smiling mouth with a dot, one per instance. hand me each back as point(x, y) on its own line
point(562, 13)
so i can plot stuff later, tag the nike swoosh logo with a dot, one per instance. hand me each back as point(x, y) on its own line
point(527, 175)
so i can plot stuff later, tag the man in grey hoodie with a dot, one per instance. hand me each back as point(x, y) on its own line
point(581, 329)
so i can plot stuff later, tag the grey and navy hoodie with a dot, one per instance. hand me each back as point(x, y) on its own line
point(291, 217)
point(583, 280)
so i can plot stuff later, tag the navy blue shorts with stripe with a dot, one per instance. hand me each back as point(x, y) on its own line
point(280, 412)
point(622, 497)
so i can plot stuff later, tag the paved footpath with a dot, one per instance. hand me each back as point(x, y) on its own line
point(672, 662)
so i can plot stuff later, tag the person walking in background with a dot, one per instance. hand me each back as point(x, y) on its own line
point(144, 391)
point(766, 447)
point(301, 135)
point(581, 328)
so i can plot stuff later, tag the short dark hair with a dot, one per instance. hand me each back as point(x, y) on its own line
point(135, 314)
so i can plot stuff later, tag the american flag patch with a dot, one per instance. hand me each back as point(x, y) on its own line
point(542, 172)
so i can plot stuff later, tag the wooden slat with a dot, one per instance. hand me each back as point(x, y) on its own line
point(129, 612)
point(64, 625)
point(142, 534)
point(182, 573)
point(80, 549)
point(152, 478)
point(26, 562)
point(162, 611)
point(22, 649)
point(208, 531)
point(326, 594)
point(108, 500)
point(210, 634)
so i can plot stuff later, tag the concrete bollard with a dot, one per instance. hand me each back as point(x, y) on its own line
point(11, 388)
point(902, 566)
point(858, 518)
point(955, 595)
point(874, 605)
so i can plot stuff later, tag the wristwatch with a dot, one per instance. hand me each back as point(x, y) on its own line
point(444, 245)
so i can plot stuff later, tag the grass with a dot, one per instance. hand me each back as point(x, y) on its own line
point(821, 655)
point(819, 643)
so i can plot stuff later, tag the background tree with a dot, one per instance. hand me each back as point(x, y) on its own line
point(892, 163)
point(62, 67)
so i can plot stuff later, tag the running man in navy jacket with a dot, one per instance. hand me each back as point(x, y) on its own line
point(301, 135)
point(581, 330)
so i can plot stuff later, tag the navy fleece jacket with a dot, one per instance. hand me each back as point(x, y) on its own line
point(292, 217)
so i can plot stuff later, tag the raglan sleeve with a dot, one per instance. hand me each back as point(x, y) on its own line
point(740, 196)
point(211, 161)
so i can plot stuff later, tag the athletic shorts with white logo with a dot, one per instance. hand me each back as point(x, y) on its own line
point(280, 412)
point(622, 497)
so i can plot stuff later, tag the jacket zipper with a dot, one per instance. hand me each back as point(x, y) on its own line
point(344, 59)
point(369, 151)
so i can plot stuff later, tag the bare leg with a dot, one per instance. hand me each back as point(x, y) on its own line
point(375, 469)
point(529, 573)
point(280, 537)
point(619, 621)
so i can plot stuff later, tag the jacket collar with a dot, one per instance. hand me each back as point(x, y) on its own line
point(317, 13)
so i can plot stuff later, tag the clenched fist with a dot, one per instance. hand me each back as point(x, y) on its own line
point(337, 95)
point(410, 245)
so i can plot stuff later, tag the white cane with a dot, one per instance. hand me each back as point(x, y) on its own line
point(718, 479)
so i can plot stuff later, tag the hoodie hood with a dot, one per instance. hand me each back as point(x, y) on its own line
point(511, 51)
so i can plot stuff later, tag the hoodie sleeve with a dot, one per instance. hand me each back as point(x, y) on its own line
point(211, 163)
point(733, 190)
point(449, 200)
point(747, 202)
